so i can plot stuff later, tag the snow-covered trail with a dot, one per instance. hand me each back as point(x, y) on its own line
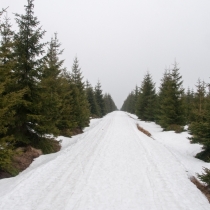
point(112, 166)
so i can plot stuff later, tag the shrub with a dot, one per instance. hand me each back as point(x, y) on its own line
point(6, 155)
point(176, 128)
point(205, 176)
point(47, 145)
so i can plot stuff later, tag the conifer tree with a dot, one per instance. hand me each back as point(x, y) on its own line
point(164, 100)
point(94, 109)
point(135, 99)
point(27, 72)
point(146, 101)
point(70, 99)
point(200, 124)
point(188, 101)
point(9, 97)
point(99, 99)
point(171, 107)
point(178, 95)
point(50, 100)
point(82, 107)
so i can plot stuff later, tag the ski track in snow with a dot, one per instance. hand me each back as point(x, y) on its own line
point(112, 166)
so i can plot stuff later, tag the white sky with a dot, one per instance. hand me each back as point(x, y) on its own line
point(117, 41)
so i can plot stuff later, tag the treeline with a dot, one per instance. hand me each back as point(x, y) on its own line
point(39, 98)
point(172, 107)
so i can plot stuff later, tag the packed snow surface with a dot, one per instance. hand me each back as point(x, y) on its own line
point(111, 166)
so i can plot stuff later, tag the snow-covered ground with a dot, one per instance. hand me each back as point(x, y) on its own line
point(111, 166)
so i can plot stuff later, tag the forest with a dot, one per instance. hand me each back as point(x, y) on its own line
point(40, 98)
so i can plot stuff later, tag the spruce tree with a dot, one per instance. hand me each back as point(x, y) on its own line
point(50, 101)
point(170, 100)
point(188, 101)
point(99, 99)
point(10, 98)
point(146, 101)
point(200, 124)
point(135, 100)
point(68, 113)
point(178, 92)
point(82, 107)
point(27, 72)
point(164, 101)
point(94, 109)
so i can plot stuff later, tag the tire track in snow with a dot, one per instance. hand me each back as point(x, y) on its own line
point(74, 175)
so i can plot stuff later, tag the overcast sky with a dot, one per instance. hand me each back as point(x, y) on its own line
point(118, 41)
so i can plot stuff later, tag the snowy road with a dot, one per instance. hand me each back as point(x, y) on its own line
point(112, 166)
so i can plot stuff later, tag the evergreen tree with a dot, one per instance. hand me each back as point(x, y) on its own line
point(171, 107)
point(50, 100)
point(178, 92)
point(200, 124)
point(83, 112)
point(146, 101)
point(99, 99)
point(9, 97)
point(27, 72)
point(70, 99)
point(94, 109)
point(135, 99)
point(164, 101)
point(188, 101)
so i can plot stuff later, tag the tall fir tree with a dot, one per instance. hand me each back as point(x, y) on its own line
point(170, 100)
point(50, 85)
point(178, 92)
point(94, 109)
point(82, 107)
point(200, 123)
point(146, 102)
point(99, 99)
point(27, 72)
point(70, 99)
point(164, 100)
point(188, 101)
point(9, 97)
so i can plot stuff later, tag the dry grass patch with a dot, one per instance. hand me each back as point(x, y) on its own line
point(203, 188)
point(144, 131)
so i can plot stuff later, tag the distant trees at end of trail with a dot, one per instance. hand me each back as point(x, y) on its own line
point(39, 98)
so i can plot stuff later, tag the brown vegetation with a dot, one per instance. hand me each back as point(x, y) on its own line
point(23, 157)
point(203, 188)
point(77, 131)
point(144, 131)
